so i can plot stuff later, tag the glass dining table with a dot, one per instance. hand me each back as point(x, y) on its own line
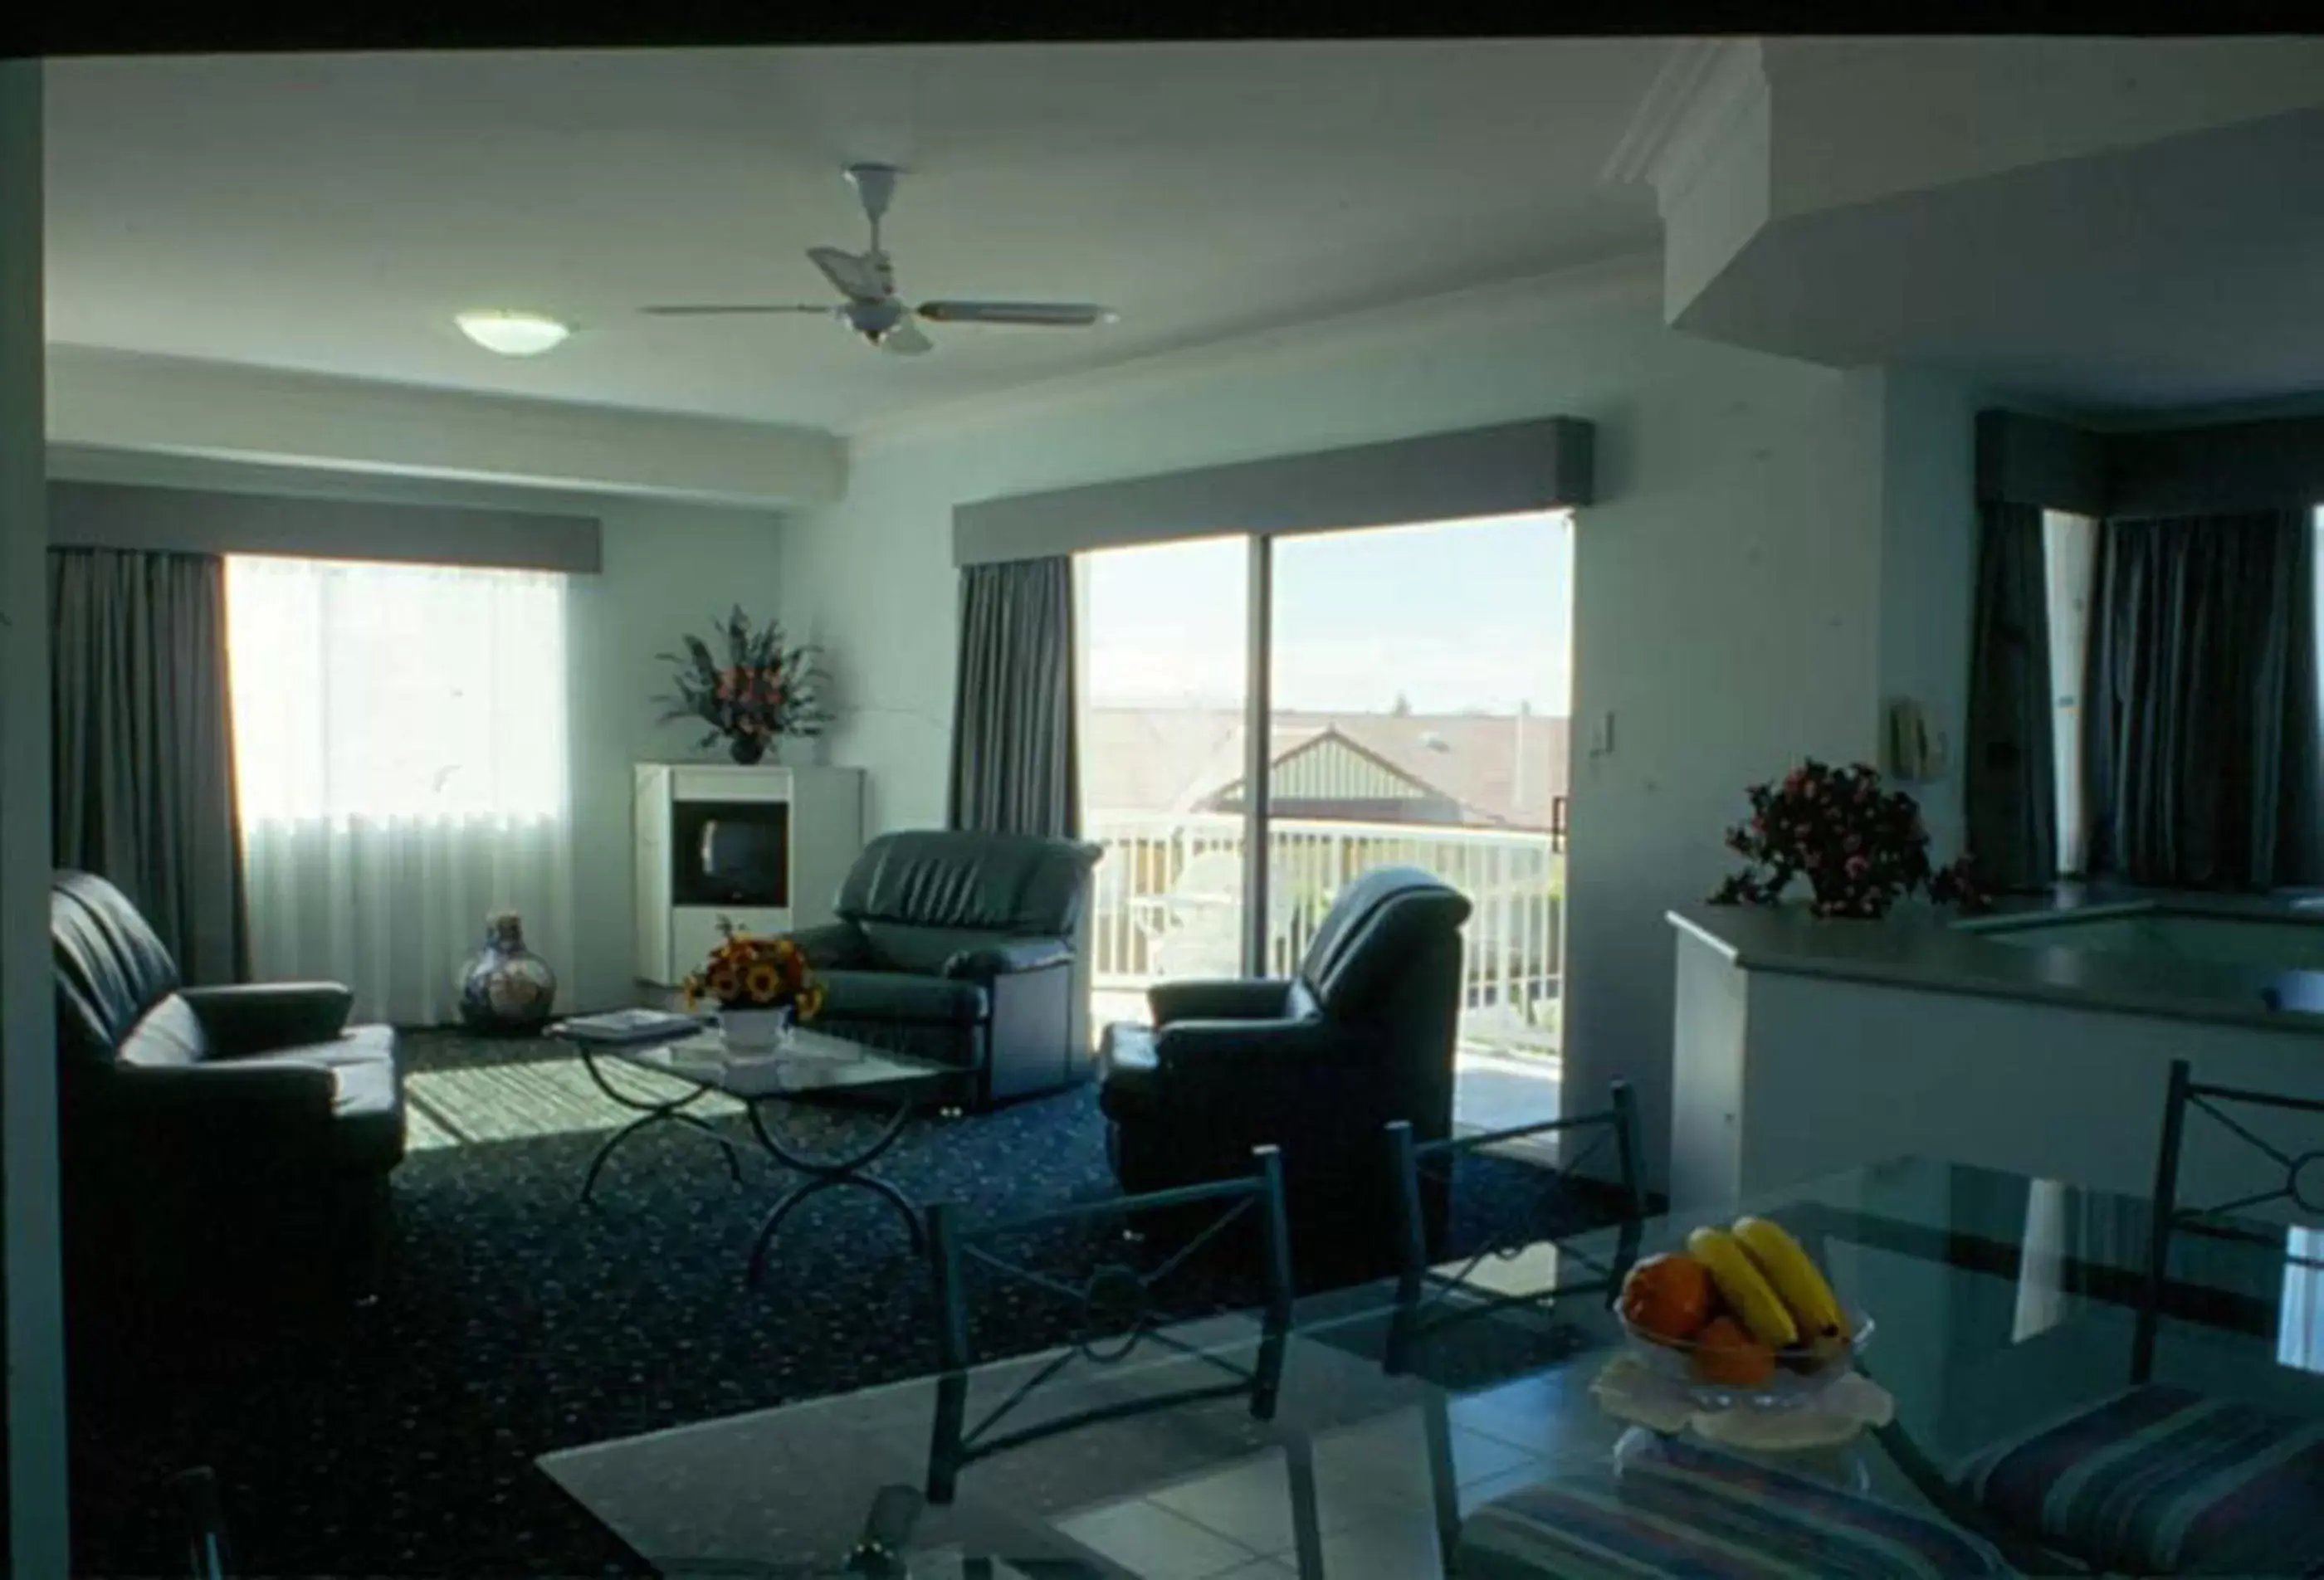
point(2000, 1303)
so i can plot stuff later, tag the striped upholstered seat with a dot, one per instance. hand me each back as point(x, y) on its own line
point(1697, 1512)
point(2163, 1481)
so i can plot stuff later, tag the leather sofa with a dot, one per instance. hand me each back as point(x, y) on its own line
point(958, 947)
point(1317, 1065)
point(204, 1128)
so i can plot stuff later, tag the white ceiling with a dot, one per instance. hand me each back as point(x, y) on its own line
point(330, 213)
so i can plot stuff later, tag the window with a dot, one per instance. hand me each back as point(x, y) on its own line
point(399, 753)
point(389, 692)
point(2070, 553)
point(1417, 689)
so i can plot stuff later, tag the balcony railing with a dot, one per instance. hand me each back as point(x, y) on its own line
point(1169, 904)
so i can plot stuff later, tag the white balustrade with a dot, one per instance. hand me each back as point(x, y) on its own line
point(1168, 903)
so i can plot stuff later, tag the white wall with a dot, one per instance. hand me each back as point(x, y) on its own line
point(35, 1391)
point(1728, 586)
point(1928, 568)
point(669, 569)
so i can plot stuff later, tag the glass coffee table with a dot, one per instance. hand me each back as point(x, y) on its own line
point(766, 1081)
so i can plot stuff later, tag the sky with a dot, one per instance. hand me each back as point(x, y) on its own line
point(1457, 616)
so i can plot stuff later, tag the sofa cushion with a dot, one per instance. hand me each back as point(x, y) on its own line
point(111, 969)
point(899, 946)
point(896, 996)
point(1015, 885)
point(2159, 1479)
point(358, 1044)
point(170, 1034)
point(1684, 1509)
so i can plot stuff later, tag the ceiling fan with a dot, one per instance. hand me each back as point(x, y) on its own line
point(868, 280)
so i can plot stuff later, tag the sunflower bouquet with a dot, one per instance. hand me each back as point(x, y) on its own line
point(745, 972)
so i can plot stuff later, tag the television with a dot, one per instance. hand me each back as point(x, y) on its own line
point(730, 852)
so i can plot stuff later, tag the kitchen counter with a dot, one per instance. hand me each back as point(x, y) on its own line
point(1932, 952)
point(1802, 1046)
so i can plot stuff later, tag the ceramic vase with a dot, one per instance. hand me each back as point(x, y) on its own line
point(505, 988)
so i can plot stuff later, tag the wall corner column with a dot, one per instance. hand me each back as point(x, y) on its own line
point(34, 1277)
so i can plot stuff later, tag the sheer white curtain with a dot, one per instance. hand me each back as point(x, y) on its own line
point(399, 749)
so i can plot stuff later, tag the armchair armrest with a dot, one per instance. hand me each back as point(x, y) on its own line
point(227, 1112)
point(1228, 999)
point(988, 960)
point(1282, 1044)
point(263, 1016)
point(831, 946)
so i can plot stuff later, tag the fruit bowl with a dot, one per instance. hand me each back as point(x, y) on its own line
point(1801, 1372)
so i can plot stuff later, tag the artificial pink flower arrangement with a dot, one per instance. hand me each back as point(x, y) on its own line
point(1860, 847)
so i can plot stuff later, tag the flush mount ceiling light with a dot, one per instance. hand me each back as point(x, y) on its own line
point(511, 334)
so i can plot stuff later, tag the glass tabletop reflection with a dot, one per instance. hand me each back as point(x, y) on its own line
point(2001, 1302)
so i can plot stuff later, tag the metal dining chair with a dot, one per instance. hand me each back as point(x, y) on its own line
point(205, 1523)
point(1429, 1299)
point(1117, 1313)
point(2161, 1478)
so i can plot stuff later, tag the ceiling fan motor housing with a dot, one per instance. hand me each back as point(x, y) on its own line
point(873, 320)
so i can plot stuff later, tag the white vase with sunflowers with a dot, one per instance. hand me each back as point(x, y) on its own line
point(763, 988)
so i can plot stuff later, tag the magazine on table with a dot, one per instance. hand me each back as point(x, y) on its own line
point(631, 1025)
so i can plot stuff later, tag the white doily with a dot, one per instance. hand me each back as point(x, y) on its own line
point(1628, 1390)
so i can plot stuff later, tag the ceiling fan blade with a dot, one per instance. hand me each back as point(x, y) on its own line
point(1059, 315)
point(712, 309)
point(856, 277)
point(905, 340)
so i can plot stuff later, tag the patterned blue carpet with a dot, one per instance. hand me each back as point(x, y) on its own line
point(400, 1439)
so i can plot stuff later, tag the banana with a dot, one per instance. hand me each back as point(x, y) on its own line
point(1744, 1287)
point(1797, 1281)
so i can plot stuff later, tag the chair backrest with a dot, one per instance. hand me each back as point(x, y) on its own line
point(112, 970)
point(921, 895)
point(1115, 1307)
point(1423, 1174)
point(2286, 1178)
point(1374, 931)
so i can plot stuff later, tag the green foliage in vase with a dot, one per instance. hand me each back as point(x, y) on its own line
point(759, 689)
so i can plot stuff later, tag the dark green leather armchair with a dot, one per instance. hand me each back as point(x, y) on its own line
point(1316, 1066)
point(959, 947)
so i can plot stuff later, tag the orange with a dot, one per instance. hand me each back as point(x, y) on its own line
point(1724, 1352)
point(1668, 1296)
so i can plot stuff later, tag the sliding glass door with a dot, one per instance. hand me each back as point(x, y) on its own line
point(1165, 684)
point(1412, 710)
point(1418, 686)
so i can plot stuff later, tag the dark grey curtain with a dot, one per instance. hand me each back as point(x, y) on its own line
point(1014, 768)
point(2202, 727)
point(2009, 776)
point(144, 753)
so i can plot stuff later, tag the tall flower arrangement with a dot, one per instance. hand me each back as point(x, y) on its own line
point(1862, 847)
point(760, 690)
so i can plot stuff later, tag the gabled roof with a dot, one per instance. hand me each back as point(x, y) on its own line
point(1500, 768)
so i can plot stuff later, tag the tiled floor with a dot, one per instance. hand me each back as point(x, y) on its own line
point(1194, 1493)
point(1375, 1503)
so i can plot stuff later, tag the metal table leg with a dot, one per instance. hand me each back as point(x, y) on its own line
point(649, 1112)
point(824, 1174)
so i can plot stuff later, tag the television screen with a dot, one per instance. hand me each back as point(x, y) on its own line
point(731, 852)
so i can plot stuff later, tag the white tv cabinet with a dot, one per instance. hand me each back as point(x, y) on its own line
point(823, 809)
